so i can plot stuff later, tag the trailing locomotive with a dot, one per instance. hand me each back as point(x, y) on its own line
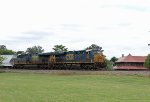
point(82, 59)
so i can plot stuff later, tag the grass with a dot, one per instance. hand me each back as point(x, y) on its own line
point(23, 87)
point(1, 71)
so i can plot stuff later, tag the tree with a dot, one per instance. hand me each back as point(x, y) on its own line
point(5, 51)
point(34, 50)
point(1, 60)
point(20, 52)
point(60, 48)
point(3, 47)
point(147, 62)
point(108, 64)
point(113, 60)
point(95, 47)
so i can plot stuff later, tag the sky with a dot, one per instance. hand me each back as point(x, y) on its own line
point(118, 26)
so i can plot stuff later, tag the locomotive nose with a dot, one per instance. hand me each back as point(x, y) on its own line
point(98, 58)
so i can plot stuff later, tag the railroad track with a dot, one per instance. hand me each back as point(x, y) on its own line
point(80, 72)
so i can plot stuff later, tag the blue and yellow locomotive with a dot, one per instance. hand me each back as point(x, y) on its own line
point(82, 59)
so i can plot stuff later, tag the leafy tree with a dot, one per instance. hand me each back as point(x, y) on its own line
point(109, 65)
point(20, 52)
point(113, 60)
point(5, 51)
point(34, 50)
point(147, 62)
point(3, 47)
point(95, 47)
point(60, 48)
point(1, 60)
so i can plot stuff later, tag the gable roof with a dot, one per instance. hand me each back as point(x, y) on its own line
point(7, 60)
point(131, 58)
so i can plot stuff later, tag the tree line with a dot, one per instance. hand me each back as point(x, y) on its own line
point(38, 49)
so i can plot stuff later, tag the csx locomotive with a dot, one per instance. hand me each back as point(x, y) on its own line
point(82, 59)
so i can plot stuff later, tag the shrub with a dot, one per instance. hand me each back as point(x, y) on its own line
point(147, 62)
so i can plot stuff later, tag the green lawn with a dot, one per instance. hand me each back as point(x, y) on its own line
point(21, 87)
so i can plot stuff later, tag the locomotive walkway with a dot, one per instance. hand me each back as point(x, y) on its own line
point(80, 72)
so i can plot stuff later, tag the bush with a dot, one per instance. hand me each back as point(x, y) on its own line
point(147, 62)
point(109, 65)
point(1, 60)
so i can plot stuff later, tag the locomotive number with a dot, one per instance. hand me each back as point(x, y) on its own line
point(69, 57)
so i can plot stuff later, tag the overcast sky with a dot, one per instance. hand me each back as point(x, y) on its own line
point(118, 26)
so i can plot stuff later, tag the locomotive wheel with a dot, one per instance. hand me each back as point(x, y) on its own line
point(51, 66)
point(91, 67)
point(82, 66)
point(61, 66)
point(21, 67)
point(68, 66)
point(98, 66)
point(56, 67)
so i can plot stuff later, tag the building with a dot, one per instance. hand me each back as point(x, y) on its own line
point(130, 63)
point(8, 60)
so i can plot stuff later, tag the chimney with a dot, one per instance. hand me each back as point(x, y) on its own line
point(122, 55)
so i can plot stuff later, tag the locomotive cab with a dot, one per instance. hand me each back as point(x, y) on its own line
point(98, 56)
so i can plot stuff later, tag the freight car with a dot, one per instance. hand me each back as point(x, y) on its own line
point(82, 59)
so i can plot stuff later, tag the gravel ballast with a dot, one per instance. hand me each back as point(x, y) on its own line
point(80, 72)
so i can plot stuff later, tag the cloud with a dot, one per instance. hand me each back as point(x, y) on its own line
point(135, 8)
point(70, 27)
point(139, 8)
point(32, 35)
point(124, 24)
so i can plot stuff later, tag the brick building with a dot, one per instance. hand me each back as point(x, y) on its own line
point(130, 63)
